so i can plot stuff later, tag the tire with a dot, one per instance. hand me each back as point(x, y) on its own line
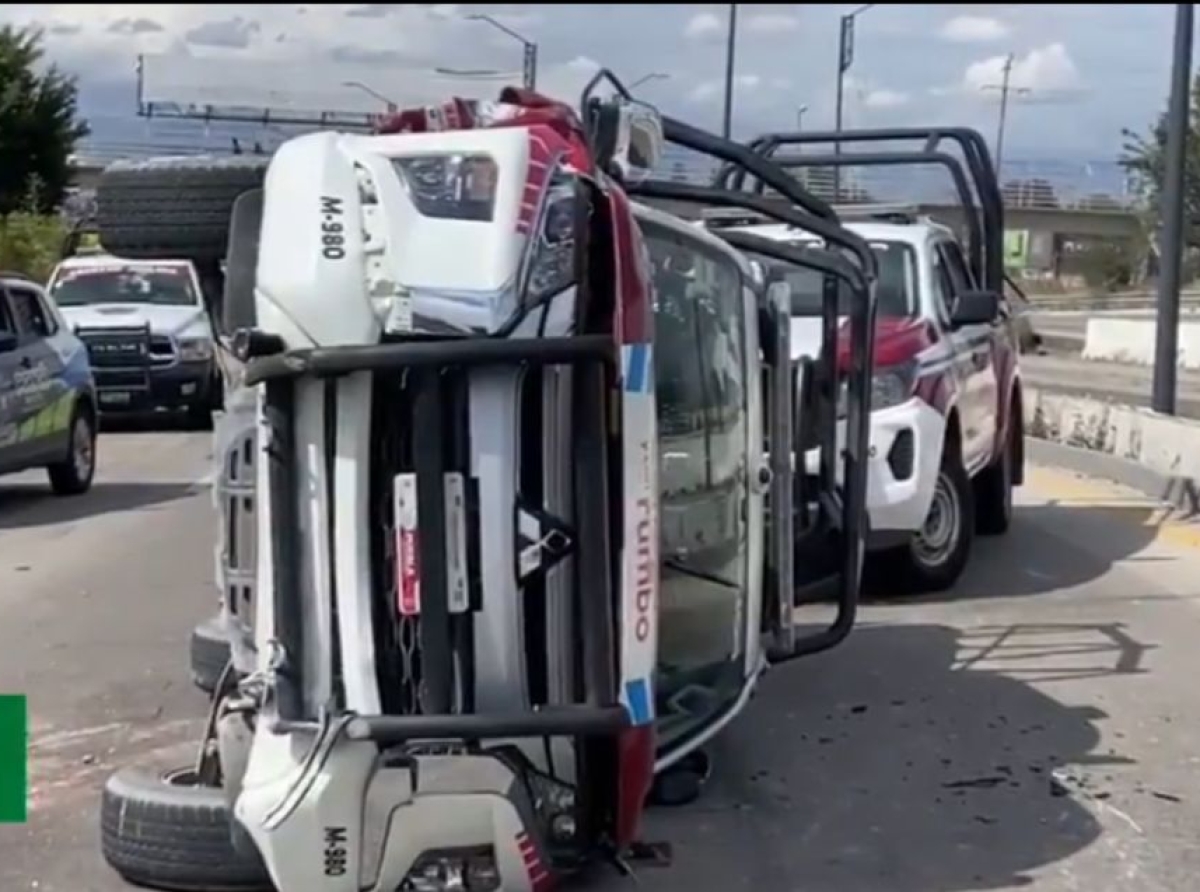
point(173, 208)
point(923, 566)
point(73, 475)
point(164, 832)
point(200, 415)
point(994, 489)
point(209, 653)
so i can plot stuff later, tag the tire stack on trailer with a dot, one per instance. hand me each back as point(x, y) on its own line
point(175, 830)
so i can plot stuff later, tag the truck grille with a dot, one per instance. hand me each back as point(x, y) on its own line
point(126, 348)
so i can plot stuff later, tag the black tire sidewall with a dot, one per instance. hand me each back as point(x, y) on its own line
point(64, 476)
point(172, 836)
point(921, 576)
point(994, 489)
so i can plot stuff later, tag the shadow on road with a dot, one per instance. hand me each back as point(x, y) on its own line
point(1036, 556)
point(146, 423)
point(891, 763)
point(27, 506)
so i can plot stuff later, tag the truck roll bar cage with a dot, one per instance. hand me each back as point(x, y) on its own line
point(845, 257)
point(986, 230)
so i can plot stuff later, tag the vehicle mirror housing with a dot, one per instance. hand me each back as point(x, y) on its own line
point(975, 308)
point(8, 342)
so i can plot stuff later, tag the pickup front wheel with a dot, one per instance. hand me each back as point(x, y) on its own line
point(936, 555)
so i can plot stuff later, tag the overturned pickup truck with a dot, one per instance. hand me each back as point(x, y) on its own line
point(515, 549)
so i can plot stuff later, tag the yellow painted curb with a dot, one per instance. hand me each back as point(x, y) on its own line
point(1066, 487)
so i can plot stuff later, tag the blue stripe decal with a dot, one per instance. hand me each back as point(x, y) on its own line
point(637, 368)
point(637, 692)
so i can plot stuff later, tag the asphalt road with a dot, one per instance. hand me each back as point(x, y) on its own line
point(1033, 730)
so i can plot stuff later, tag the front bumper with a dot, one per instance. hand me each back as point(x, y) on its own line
point(177, 386)
point(902, 466)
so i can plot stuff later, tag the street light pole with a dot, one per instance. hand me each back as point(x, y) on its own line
point(359, 85)
point(646, 78)
point(529, 59)
point(731, 45)
point(845, 59)
point(1166, 344)
point(800, 110)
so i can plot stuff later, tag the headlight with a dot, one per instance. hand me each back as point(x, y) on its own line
point(450, 187)
point(195, 349)
point(889, 387)
point(454, 870)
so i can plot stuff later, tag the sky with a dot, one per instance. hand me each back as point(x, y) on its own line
point(1079, 75)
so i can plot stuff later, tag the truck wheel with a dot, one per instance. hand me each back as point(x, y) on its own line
point(168, 832)
point(173, 208)
point(200, 415)
point(73, 475)
point(936, 555)
point(994, 488)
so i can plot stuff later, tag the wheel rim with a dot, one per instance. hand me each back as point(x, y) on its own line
point(938, 537)
point(82, 452)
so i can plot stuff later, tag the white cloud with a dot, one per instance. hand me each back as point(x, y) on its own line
point(974, 29)
point(1042, 69)
point(748, 86)
point(703, 25)
point(769, 23)
point(886, 99)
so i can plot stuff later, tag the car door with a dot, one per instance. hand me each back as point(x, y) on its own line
point(10, 458)
point(38, 377)
point(703, 393)
point(974, 360)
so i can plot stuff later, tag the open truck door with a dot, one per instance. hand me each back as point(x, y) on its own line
point(822, 555)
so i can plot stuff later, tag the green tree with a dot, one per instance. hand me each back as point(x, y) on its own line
point(39, 124)
point(1145, 158)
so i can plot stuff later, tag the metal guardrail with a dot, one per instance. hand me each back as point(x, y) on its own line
point(1127, 300)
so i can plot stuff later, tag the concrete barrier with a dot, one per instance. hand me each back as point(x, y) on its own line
point(1132, 341)
point(1155, 453)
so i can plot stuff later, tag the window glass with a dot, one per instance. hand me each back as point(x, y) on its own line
point(895, 290)
point(956, 266)
point(32, 318)
point(104, 283)
point(702, 390)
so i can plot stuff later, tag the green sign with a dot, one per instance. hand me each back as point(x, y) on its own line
point(14, 767)
point(1016, 248)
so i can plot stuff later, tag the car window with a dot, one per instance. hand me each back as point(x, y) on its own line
point(941, 288)
point(7, 326)
point(895, 289)
point(701, 390)
point(167, 283)
point(956, 266)
point(32, 318)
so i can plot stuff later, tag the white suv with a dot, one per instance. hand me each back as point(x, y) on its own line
point(946, 423)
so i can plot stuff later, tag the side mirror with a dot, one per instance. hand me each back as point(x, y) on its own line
point(241, 262)
point(8, 342)
point(975, 308)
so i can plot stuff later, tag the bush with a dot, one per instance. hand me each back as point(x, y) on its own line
point(31, 244)
point(1109, 265)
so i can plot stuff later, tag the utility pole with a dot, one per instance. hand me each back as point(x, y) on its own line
point(1166, 345)
point(529, 59)
point(727, 126)
point(1005, 87)
point(845, 60)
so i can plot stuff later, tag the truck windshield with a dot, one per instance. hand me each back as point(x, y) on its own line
point(896, 288)
point(164, 284)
